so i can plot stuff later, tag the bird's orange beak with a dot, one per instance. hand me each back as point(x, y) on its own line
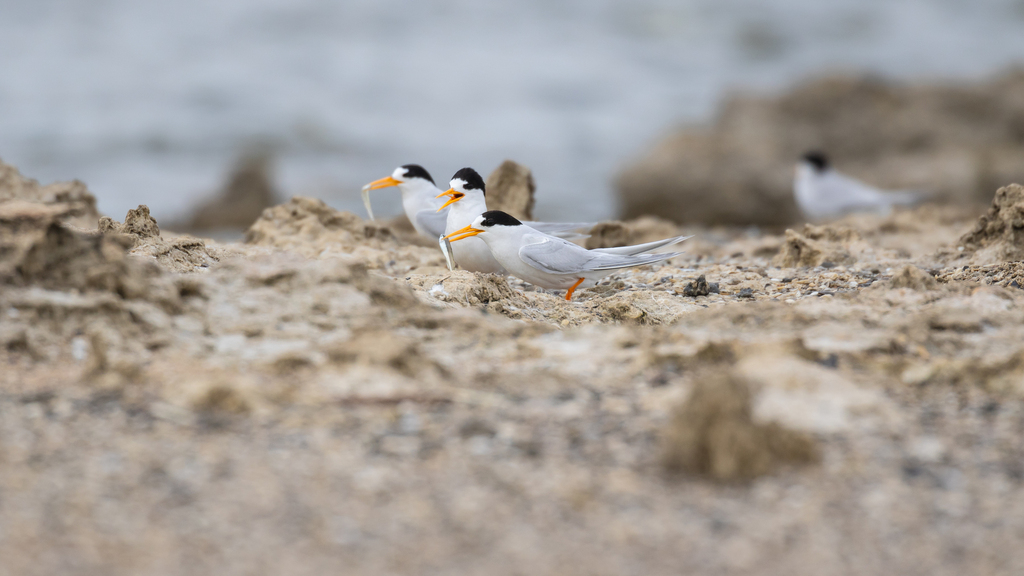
point(382, 183)
point(463, 233)
point(455, 197)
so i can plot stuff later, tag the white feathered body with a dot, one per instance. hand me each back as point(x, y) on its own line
point(472, 253)
point(556, 263)
point(420, 203)
point(823, 194)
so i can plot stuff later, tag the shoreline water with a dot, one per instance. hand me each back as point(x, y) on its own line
point(150, 104)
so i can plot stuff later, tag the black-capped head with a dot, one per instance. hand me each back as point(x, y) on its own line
point(467, 179)
point(816, 159)
point(493, 218)
point(410, 171)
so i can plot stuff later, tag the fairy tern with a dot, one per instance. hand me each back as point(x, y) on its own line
point(467, 200)
point(550, 262)
point(822, 192)
point(419, 198)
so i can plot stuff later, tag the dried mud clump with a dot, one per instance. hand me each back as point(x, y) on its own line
point(713, 434)
point(141, 232)
point(999, 234)
point(78, 205)
point(700, 287)
point(801, 251)
point(510, 188)
point(138, 224)
point(912, 277)
point(469, 288)
point(620, 308)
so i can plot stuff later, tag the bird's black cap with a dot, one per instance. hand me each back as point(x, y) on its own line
point(417, 171)
point(498, 218)
point(471, 178)
point(817, 159)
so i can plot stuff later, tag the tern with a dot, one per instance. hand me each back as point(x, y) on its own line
point(550, 262)
point(419, 198)
point(822, 192)
point(467, 200)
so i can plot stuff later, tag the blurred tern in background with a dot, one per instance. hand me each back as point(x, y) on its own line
point(467, 200)
point(419, 199)
point(823, 193)
point(550, 262)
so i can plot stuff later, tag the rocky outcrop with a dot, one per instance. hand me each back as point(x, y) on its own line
point(248, 190)
point(510, 188)
point(76, 205)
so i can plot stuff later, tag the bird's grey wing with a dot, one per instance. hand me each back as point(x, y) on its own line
point(854, 194)
point(614, 262)
point(908, 197)
point(849, 192)
point(642, 248)
point(432, 221)
point(554, 255)
point(562, 229)
point(557, 256)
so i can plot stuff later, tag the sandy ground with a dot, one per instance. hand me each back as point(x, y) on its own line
point(327, 397)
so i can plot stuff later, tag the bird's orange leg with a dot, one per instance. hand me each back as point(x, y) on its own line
point(568, 295)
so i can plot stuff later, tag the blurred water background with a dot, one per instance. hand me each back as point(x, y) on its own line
point(150, 101)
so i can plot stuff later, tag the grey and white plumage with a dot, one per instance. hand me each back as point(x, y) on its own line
point(821, 192)
point(419, 199)
point(549, 262)
point(467, 200)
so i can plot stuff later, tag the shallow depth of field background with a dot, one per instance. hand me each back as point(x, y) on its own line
point(150, 102)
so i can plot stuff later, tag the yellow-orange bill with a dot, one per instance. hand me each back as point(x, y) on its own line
point(382, 183)
point(463, 233)
point(448, 192)
point(456, 196)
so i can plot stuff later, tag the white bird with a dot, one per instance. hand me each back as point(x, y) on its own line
point(419, 198)
point(467, 201)
point(551, 262)
point(821, 192)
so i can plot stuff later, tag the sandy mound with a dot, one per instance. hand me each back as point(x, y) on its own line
point(999, 234)
point(713, 433)
point(314, 229)
point(352, 403)
point(958, 141)
point(38, 250)
point(141, 231)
